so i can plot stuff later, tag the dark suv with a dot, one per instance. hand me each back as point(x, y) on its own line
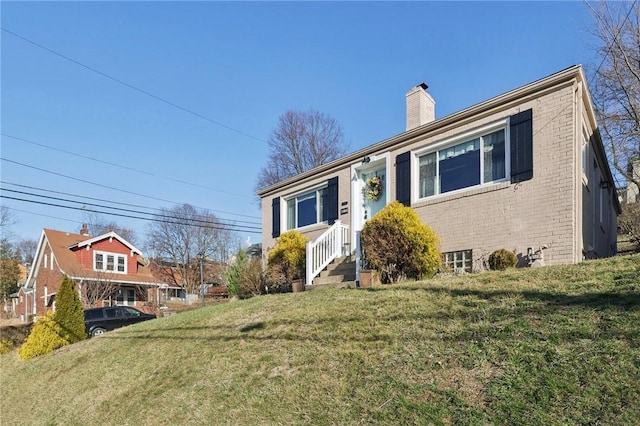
point(97, 321)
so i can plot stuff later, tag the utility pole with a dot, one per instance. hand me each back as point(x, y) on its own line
point(202, 280)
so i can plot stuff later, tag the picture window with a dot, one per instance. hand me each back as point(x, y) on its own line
point(476, 161)
point(306, 209)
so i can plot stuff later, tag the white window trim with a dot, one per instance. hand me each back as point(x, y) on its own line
point(454, 140)
point(115, 261)
point(284, 221)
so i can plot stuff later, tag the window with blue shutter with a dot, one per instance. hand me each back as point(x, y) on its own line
point(403, 178)
point(275, 217)
point(330, 202)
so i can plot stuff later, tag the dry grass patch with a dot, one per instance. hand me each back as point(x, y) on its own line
point(556, 345)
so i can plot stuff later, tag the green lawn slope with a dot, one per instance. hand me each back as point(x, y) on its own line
point(548, 346)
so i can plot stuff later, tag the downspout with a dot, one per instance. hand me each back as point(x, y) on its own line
point(577, 160)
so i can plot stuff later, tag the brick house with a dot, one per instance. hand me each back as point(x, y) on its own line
point(525, 171)
point(107, 270)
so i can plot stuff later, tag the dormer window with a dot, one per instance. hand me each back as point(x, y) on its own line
point(110, 262)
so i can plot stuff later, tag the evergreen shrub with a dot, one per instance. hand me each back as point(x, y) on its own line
point(5, 346)
point(502, 259)
point(287, 260)
point(45, 337)
point(398, 245)
point(234, 272)
point(69, 313)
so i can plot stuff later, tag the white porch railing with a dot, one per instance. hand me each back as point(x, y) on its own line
point(324, 249)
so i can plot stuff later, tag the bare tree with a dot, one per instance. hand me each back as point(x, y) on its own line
point(301, 141)
point(7, 236)
point(184, 236)
point(94, 291)
point(616, 83)
point(26, 250)
point(98, 225)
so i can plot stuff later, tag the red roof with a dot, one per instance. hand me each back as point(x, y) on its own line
point(62, 244)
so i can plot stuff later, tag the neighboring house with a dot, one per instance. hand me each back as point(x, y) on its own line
point(522, 171)
point(174, 286)
point(631, 192)
point(107, 270)
point(254, 251)
point(9, 304)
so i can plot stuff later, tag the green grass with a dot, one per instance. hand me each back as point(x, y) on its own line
point(549, 346)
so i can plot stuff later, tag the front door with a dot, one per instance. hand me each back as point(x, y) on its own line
point(374, 196)
point(368, 197)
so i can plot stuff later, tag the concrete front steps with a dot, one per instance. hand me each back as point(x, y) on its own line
point(341, 273)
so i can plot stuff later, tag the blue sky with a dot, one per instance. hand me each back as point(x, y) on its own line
point(240, 65)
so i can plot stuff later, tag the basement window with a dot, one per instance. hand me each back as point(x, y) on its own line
point(458, 260)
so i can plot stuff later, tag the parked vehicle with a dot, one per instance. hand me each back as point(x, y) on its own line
point(98, 321)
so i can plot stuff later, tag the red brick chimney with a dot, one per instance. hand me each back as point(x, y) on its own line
point(84, 231)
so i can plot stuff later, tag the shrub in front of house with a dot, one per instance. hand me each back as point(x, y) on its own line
point(286, 261)
point(502, 259)
point(244, 277)
point(45, 337)
point(398, 245)
point(252, 279)
point(5, 346)
point(69, 313)
point(233, 273)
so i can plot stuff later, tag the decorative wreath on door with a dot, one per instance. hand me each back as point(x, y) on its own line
point(373, 189)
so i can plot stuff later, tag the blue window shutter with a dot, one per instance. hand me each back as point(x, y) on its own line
point(403, 178)
point(330, 204)
point(521, 135)
point(275, 217)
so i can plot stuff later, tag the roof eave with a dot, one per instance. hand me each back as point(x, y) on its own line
point(508, 97)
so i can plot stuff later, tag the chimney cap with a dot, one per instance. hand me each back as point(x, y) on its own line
point(423, 86)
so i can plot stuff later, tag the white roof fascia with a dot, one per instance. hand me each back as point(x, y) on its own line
point(104, 237)
point(37, 260)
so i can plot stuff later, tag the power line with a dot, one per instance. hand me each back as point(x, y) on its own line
point(43, 215)
point(100, 185)
point(113, 202)
point(175, 222)
point(131, 86)
point(204, 221)
point(122, 167)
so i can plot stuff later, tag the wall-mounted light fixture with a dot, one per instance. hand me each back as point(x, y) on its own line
point(366, 159)
point(604, 184)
